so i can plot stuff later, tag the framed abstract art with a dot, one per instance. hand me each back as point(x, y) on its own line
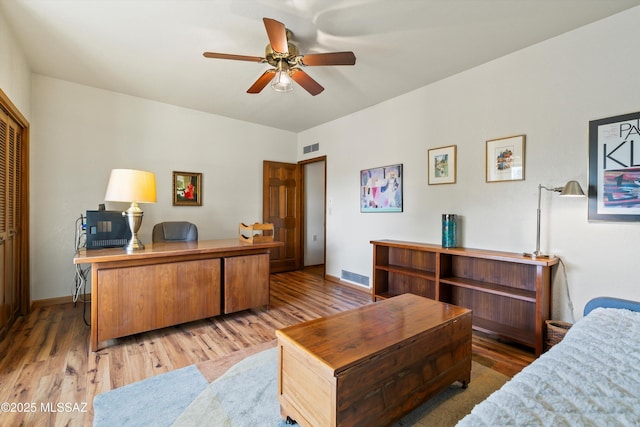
point(381, 189)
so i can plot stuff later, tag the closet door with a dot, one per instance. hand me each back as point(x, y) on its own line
point(10, 205)
point(13, 218)
point(5, 299)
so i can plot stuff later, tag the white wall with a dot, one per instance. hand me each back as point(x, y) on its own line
point(15, 74)
point(549, 92)
point(81, 133)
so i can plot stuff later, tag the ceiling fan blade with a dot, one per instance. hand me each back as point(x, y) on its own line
point(262, 81)
point(277, 33)
point(333, 58)
point(305, 80)
point(234, 57)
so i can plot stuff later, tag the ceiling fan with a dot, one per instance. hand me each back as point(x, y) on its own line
point(284, 57)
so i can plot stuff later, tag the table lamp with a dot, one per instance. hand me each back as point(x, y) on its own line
point(134, 186)
point(571, 189)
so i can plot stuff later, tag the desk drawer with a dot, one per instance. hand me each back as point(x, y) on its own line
point(143, 298)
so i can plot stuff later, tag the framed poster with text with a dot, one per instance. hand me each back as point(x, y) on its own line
point(614, 168)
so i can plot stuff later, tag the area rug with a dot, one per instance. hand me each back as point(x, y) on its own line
point(156, 401)
point(246, 395)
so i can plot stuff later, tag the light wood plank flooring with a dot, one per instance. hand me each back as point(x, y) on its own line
point(45, 358)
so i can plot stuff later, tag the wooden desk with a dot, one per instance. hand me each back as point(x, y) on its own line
point(166, 284)
point(373, 364)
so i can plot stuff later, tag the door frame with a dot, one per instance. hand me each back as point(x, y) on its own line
point(303, 215)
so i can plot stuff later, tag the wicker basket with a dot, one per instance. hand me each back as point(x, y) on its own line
point(556, 330)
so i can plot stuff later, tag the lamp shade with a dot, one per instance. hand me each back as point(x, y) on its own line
point(282, 81)
point(130, 185)
point(572, 189)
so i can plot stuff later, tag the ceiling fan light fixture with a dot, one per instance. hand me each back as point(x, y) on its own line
point(283, 56)
point(282, 81)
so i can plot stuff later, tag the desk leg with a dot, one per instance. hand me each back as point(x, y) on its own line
point(93, 345)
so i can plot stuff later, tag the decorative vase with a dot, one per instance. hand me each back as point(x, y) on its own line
point(449, 238)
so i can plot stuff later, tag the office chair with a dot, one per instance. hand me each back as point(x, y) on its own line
point(174, 231)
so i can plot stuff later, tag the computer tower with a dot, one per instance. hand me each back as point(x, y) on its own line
point(107, 229)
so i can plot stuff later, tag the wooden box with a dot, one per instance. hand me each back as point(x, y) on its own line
point(255, 233)
point(373, 364)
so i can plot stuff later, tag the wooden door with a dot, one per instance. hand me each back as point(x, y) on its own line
point(281, 204)
point(9, 214)
point(14, 235)
point(5, 299)
point(12, 258)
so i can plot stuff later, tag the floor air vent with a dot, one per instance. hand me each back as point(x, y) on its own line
point(311, 148)
point(355, 277)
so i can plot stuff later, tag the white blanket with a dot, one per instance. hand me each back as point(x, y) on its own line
point(591, 378)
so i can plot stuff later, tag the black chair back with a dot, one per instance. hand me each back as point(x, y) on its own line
point(174, 231)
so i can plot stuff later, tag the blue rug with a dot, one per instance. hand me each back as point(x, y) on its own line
point(156, 401)
point(246, 396)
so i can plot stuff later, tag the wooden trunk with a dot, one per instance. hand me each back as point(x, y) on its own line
point(373, 364)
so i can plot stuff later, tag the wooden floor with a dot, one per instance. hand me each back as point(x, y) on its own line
point(48, 377)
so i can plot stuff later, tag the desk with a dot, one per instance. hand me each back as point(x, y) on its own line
point(166, 284)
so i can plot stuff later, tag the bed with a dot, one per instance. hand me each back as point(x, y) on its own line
point(591, 378)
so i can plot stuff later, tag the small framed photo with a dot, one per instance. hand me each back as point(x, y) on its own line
point(187, 189)
point(442, 165)
point(505, 159)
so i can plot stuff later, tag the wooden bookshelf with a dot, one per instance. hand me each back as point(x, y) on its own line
point(509, 293)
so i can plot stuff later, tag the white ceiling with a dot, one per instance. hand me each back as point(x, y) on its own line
point(153, 48)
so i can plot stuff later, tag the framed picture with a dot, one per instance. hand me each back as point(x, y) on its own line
point(187, 189)
point(442, 165)
point(505, 159)
point(381, 189)
point(614, 169)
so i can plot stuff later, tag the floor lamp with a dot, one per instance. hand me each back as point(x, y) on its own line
point(132, 186)
point(571, 189)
